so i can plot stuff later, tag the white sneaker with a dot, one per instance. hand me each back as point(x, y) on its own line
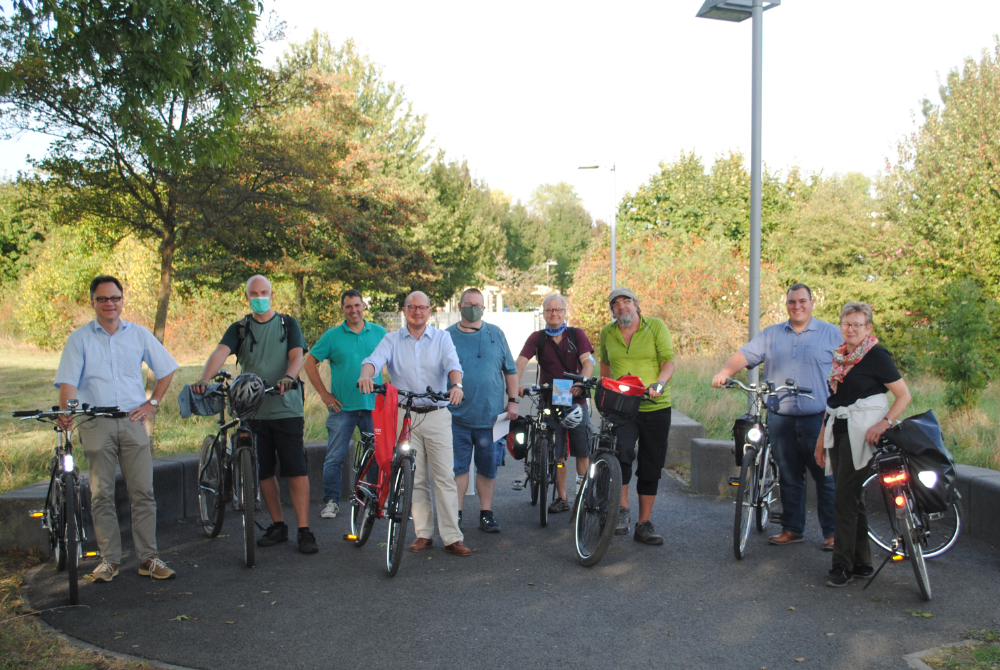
point(330, 511)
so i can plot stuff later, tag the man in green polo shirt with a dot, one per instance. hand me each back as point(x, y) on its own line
point(344, 346)
point(639, 345)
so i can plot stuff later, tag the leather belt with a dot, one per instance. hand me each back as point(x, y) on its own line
point(426, 408)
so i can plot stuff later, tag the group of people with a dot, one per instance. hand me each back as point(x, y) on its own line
point(830, 437)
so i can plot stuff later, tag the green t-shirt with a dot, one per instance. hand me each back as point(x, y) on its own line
point(345, 350)
point(651, 345)
point(269, 361)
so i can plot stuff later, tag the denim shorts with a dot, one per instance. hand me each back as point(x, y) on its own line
point(465, 441)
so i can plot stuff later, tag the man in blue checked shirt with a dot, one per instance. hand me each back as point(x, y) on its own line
point(101, 365)
point(800, 349)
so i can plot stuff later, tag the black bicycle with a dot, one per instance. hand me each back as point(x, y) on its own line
point(540, 463)
point(758, 481)
point(63, 514)
point(227, 471)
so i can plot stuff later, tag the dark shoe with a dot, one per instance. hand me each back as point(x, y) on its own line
point(624, 520)
point(488, 523)
point(558, 505)
point(863, 571)
point(839, 576)
point(307, 542)
point(645, 533)
point(275, 533)
point(458, 548)
point(828, 543)
point(421, 543)
point(784, 537)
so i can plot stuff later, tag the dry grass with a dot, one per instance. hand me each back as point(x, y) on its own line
point(982, 654)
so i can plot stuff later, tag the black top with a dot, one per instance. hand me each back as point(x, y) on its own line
point(867, 378)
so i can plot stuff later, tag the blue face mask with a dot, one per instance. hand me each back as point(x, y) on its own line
point(260, 305)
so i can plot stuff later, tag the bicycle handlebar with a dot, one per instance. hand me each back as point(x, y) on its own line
point(768, 388)
point(56, 413)
point(410, 395)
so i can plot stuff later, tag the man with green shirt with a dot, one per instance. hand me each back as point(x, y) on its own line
point(270, 345)
point(639, 345)
point(344, 346)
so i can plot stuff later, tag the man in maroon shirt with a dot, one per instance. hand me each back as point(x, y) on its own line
point(561, 349)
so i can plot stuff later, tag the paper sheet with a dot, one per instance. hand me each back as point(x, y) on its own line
point(501, 426)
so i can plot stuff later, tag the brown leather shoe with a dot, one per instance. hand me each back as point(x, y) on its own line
point(458, 548)
point(828, 543)
point(421, 543)
point(784, 537)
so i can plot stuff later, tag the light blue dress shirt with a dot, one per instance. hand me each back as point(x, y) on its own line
point(107, 369)
point(804, 357)
point(416, 364)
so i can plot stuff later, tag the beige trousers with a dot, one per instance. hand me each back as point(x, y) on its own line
point(430, 440)
point(108, 443)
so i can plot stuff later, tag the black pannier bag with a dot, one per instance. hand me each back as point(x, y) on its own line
point(518, 437)
point(919, 437)
point(740, 428)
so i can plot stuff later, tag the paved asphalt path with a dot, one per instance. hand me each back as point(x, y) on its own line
point(522, 601)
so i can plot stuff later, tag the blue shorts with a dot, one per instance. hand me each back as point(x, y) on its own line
point(466, 440)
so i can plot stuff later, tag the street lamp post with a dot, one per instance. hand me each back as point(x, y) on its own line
point(614, 217)
point(547, 265)
point(736, 11)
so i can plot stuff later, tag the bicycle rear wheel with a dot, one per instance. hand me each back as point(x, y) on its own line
point(762, 513)
point(944, 528)
point(399, 514)
point(72, 539)
point(597, 512)
point(534, 475)
point(746, 494)
point(248, 499)
point(916, 555)
point(363, 505)
point(211, 487)
point(543, 480)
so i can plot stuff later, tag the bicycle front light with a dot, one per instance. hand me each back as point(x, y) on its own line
point(405, 445)
point(519, 437)
point(68, 463)
point(754, 434)
point(928, 478)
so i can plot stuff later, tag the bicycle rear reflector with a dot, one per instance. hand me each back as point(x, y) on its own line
point(892, 479)
point(900, 501)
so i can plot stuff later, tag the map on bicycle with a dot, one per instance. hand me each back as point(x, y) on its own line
point(562, 392)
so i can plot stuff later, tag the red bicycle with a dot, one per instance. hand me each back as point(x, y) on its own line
point(379, 494)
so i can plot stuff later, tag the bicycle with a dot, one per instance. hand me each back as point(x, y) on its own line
point(540, 464)
point(227, 471)
point(947, 523)
point(758, 480)
point(64, 509)
point(381, 494)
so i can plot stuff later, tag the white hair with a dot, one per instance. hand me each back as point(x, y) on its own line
point(554, 296)
point(256, 277)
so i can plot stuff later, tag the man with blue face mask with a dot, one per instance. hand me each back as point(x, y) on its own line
point(271, 346)
point(490, 388)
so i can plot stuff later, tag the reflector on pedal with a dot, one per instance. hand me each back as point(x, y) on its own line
point(898, 557)
point(37, 513)
point(349, 537)
point(91, 554)
point(734, 481)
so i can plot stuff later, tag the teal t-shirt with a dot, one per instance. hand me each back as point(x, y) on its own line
point(269, 361)
point(485, 359)
point(345, 350)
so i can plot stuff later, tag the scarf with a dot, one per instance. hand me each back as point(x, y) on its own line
point(553, 332)
point(843, 362)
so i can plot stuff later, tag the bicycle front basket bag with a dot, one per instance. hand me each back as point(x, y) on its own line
point(740, 428)
point(517, 438)
point(619, 400)
point(929, 462)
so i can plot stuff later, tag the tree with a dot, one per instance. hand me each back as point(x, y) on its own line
point(142, 98)
point(567, 226)
point(24, 221)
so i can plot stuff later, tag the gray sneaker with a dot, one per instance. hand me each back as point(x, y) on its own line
point(624, 520)
point(645, 533)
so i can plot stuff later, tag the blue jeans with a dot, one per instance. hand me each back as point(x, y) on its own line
point(468, 441)
point(794, 442)
point(340, 427)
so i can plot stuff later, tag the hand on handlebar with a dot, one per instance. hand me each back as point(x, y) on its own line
point(284, 384)
point(455, 395)
point(366, 384)
point(200, 386)
point(720, 380)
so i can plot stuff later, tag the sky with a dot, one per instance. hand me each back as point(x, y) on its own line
point(527, 92)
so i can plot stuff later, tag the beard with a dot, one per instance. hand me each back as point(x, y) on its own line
point(625, 319)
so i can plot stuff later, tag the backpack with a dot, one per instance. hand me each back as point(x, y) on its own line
point(544, 337)
point(244, 330)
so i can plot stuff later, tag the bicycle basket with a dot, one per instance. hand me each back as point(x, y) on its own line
point(619, 400)
point(740, 428)
point(517, 438)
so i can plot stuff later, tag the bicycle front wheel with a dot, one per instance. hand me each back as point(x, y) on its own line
point(72, 540)
point(211, 507)
point(746, 494)
point(944, 528)
point(916, 555)
point(363, 505)
point(57, 515)
point(762, 513)
point(597, 511)
point(543, 480)
point(248, 500)
point(399, 514)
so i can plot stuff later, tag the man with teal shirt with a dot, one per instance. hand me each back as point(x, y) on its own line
point(344, 346)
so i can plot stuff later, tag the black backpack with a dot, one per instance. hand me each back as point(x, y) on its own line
point(244, 331)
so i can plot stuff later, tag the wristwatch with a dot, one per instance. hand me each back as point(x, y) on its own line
point(459, 385)
point(155, 403)
point(511, 400)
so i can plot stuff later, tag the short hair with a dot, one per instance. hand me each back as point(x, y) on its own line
point(796, 287)
point(104, 279)
point(256, 277)
point(470, 290)
point(413, 293)
point(855, 307)
point(351, 293)
point(554, 296)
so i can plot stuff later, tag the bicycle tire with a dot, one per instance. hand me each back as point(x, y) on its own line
point(211, 487)
point(57, 540)
point(944, 531)
point(746, 493)
point(916, 555)
point(248, 498)
point(597, 513)
point(543, 481)
point(362, 512)
point(762, 513)
point(533, 476)
point(71, 538)
point(399, 517)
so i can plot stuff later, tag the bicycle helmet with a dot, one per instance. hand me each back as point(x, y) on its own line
point(246, 395)
point(572, 418)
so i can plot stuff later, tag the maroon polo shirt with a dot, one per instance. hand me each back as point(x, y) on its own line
point(549, 364)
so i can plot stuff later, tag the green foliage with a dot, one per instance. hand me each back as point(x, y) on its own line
point(566, 230)
point(23, 225)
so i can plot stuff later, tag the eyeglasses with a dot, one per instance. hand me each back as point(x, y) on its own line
point(852, 326)
point(115, 299)
point(554, 310)
point(621, 301)
point(417, 308)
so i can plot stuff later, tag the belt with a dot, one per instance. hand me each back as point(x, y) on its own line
point(426, 408)
point(794, 416)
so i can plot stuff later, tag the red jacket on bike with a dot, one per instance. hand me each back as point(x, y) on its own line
point(384, 418)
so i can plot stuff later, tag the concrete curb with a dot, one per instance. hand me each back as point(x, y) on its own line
point(915, 661)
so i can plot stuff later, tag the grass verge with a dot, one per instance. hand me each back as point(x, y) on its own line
point(982, 654)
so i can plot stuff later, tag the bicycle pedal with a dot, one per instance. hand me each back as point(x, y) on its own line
point(517, 485)
point(734, 481)
point(775, 518)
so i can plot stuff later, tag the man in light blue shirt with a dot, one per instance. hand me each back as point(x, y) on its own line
point(491, 385)
point(101, 365)
point(800, 349)
point(419, 356)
